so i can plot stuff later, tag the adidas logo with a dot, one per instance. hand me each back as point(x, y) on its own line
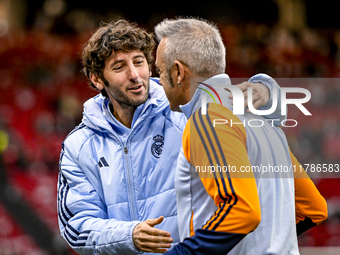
point(102, 162)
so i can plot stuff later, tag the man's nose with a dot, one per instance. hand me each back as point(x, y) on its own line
point(133, 73)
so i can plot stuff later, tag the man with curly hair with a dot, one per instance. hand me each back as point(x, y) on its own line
point(116, 179)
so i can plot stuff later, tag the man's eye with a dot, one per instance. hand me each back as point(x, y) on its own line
point(117, 68)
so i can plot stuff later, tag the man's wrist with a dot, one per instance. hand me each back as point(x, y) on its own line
point(132, 243)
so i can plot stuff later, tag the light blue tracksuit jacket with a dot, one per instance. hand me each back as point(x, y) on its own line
point(108, 183)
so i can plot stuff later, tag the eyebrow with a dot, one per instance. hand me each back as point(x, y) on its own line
point(157, 67)
point(139, 55)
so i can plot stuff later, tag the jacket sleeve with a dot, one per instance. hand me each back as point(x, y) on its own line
point(271, 84)
point(310, 206)
point(235, 194)
point(82, 215)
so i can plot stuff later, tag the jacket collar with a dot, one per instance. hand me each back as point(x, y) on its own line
point(196, 101)
point(95, 109)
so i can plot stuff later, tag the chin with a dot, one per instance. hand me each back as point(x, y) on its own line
point(174, 108)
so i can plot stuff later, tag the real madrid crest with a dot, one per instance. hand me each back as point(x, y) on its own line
point(157, 146)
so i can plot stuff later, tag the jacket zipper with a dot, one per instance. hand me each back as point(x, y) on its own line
point(129, 176)
point(130, 186)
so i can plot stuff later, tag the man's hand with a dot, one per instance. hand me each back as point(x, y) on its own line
point(149, 239)
point(261, 94)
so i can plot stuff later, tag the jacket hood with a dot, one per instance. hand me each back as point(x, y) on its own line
point(94, 116)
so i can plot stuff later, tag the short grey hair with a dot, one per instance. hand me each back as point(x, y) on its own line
point(195, 42)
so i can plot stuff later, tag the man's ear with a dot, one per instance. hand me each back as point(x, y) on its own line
point(97, 81)
point(180, 71)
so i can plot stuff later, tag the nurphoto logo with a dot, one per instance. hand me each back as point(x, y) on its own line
point(238, 101)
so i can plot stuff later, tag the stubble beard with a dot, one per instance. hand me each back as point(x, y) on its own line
point(124, 100)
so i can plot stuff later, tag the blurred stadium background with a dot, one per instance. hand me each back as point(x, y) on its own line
point(42, 91)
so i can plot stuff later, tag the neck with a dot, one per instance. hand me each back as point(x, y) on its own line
point(122, 112)
point(194, 83)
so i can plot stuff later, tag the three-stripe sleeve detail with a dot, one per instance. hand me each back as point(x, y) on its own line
point(73, 236)
point(211, 143)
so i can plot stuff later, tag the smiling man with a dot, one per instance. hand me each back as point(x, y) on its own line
point(117, 168)
point(125, 89)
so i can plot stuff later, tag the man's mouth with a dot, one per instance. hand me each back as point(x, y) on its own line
point(136, 88)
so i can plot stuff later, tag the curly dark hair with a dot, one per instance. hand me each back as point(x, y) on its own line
point(110, 37)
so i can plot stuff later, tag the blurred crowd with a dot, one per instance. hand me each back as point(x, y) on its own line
point(42, 91)
point(282, 53)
